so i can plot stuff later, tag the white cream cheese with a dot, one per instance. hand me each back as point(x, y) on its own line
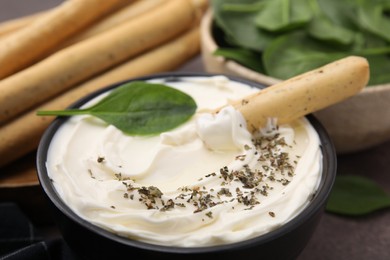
point(207, 182)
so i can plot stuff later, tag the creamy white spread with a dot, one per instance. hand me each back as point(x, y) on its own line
point(207, 182)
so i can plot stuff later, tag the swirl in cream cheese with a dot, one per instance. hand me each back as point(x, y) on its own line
point(207, 182)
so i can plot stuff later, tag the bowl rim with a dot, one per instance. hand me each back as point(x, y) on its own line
point(316, 204)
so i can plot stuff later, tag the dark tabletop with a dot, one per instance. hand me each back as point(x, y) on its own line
point(336, 237)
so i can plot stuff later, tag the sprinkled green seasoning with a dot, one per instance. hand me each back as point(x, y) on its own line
point(247, 186)
point(209, 214)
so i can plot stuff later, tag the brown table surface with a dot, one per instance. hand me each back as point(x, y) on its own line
point(336, 237)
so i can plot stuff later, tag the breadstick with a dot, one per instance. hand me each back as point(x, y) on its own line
point(13, 25)
point(81, 61)
point(306, 93)
point(24, 47)
point(22, 135)
point(124, 14)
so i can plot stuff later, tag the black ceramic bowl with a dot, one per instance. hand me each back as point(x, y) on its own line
point(91, 242)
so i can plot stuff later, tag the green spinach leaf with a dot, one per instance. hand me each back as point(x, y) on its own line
point(239, 27)
point(379, 69)
point(294, 36)
point(139, 108)
point(284, 15)
point(353, 195)
point(245, 57)
point(324, 29)
point(296, 53)
point(251, 6)
point(341, 13)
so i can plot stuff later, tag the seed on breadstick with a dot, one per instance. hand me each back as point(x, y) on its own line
point(305, 93)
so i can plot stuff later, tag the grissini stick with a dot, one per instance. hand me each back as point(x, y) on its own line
point(305, 93)
point(81, 61)
point(10, 26)
point(124, 14)
point(22, 134)
point(29, 44)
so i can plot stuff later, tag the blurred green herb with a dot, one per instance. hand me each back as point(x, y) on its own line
point(139, 108)
point(243, 56)
point(290, 37)
point(354, 196)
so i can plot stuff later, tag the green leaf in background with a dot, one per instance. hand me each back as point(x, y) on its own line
point(295, 53)
point(341, 13)
point(322, 28)
point(367, 40)
point(249, 6)
point(139, 108)
point(379, 69)
point(239, 26)
point(282, 15)
point(353, 196)
point(245, 57)
point(371, 17)
point(328, 29)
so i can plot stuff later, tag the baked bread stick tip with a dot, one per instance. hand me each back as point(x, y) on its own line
point(305, 93)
